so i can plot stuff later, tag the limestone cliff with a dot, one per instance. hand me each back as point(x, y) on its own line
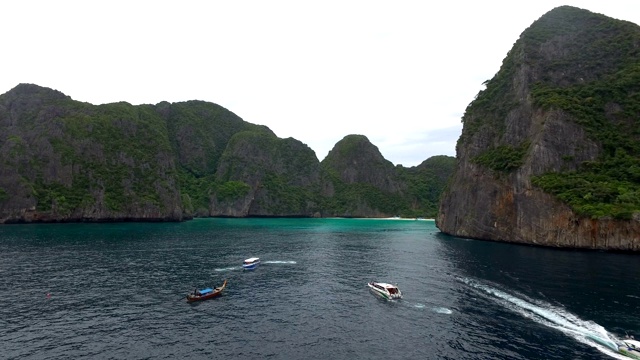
point(367, 185)
point(56, 165)
point(284, 177)
point(62, 160)
point(548, 150)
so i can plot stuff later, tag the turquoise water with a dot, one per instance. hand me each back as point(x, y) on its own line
point(117, 291)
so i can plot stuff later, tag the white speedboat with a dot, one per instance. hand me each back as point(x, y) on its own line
point(251, 263)
point(384, 290)
point(630, 348)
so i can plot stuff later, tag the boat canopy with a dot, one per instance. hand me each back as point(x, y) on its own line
point(250, 260)
point(204, 291)
point(385, 285)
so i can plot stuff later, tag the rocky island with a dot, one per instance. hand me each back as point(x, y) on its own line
point(550, 150)
point(66, 161)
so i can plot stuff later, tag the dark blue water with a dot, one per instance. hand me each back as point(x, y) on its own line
point(117, 291)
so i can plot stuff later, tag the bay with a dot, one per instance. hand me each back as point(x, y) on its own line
point(116, 291)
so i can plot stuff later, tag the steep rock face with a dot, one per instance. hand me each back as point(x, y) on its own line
point(57, 165)
point(356, 160)
point(284, 177)
point(367, 185)
point(199, 132)
point(524, 126)
point(63, 160)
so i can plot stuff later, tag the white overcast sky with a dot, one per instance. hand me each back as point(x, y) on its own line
point(399, 72)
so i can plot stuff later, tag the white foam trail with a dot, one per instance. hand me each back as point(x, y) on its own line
point(404, 302)
point(439, 310)
point(586, 332)
point(279, 262)
point(442, 310)
point(228, 269)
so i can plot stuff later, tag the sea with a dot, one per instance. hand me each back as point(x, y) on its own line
point(117, 291)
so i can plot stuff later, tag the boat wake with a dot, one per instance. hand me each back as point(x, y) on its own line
point(233, 268)
point(439, 310)
point(229, 268)
point(442, 310)
point(584, 331)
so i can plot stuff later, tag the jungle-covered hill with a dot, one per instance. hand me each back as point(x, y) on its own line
point(65, 160)
point(550, 150)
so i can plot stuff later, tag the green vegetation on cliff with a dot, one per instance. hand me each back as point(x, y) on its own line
point(425, 184)
point(115, 149)
point(607, 107)
point(74, 158)
point(363, 178)
point(503, 157)
point(353, 199)
point(586, 65)
point(65, 160)
point(285, 172)
point(199, 132)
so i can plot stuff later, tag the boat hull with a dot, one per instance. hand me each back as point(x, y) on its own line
point(250, 266)
point(380, 294)
point(629, 353)
point(630, 348)
point(215, 293)
point(193, 298)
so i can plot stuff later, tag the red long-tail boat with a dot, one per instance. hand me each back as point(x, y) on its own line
point(204, 294)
